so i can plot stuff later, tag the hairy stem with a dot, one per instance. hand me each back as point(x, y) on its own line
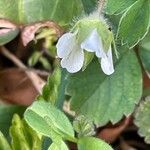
point(101, 4)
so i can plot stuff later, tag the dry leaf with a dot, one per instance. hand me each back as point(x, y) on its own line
point(15, 87)
point(28, 33)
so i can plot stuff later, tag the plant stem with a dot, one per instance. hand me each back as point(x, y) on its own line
point(37, 82)
point(101, 4)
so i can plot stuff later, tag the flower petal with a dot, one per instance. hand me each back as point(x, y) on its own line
point(107, 63)
point(74, 62)
point(93, 44)
point(65, 44)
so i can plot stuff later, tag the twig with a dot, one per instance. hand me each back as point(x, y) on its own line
point(35, 79)
point(101, 4)
point(37, 71)
point(148, 74)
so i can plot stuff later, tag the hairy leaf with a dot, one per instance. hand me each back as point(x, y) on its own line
point(91, 143)
point(142, 119)
point(48, 120)
point(134, 23)
point(113, 7)
point(107, 98)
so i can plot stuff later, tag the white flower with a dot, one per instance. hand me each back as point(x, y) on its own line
point(72, 53)
point(94, 44)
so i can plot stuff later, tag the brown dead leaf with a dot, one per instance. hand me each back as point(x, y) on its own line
point(16, 88)
point(110, 134)
point(28, 32)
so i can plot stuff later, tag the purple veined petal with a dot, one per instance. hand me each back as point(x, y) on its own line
point(74, 62)
point(93, 44)
point(65, 44)
point(107, 63)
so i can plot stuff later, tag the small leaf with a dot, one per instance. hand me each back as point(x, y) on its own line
point(49, 121)
point(8, 31)
point(91, 143)
point(4, 145)
point(45, 63)
point(134, 23)
point(113, 7)
point(8, 111)
point(83, 126)
point(50, 90)
point(23, 137)
point(104, 98)
point(59, 145)
point(33, 60)
point(142, 119)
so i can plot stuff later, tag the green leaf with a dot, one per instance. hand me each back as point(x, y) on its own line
point(134, 23)
point(9, 36)
point(83, 126)
point(144, 51)
point(89, 5)
point(104, 98)
point(59, 145)
point(91, 143)
point(33, 60)
point(4, 145)
point(45, 63)
point(23, 137)
point(49, 121)
point(113, 7)
point(27, 11)
point(142, 119)
point(88, 57)
point(6, 114)
point(50, 90)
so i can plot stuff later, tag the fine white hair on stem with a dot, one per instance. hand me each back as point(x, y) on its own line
point(101, 4)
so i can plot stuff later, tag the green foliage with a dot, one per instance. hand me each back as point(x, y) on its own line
point(23, 137)
point(95, 98)
point(89, 5)
point(33, 60)
point(144, 52)
point(90, 143)
point(104, 98)
point(4, 145)
point(49, 121)
point(142, 119)
point(113, 7)
point(58, 145)
point(83, 126)
point(134, 23)
point(6, 114)
point(27, 11)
